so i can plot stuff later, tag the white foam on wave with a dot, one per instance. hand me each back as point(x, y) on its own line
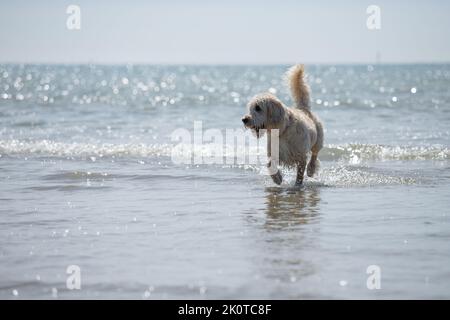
point(355, 152)
point(81, 150)
point(350, 153)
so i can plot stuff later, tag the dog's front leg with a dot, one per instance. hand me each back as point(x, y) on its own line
point(300, 173)
point(276, 177)
point(275, 173)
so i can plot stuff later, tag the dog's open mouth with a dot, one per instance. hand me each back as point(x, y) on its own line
point(256, 129)
point(257, 133)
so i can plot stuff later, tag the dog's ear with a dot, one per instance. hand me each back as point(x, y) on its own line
point(276, 112)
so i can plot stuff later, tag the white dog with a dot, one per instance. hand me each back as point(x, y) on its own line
point(300, 131)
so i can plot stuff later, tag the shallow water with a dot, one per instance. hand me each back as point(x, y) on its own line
point(87, 180)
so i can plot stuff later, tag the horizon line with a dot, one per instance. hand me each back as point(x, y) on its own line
point(221, 63)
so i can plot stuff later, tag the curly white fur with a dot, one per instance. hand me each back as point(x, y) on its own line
point(300, 131)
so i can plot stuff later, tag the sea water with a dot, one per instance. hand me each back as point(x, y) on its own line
point(87, 179)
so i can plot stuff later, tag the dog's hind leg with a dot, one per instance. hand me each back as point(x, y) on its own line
point(312, 165)
point(300, 172)
point(314, 162)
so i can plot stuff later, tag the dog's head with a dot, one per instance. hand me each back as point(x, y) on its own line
point(265, 111)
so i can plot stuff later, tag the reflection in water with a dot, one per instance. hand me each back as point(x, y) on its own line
point(290, 207)
point(288, 239)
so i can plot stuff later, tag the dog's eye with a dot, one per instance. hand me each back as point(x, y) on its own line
point(257, 108)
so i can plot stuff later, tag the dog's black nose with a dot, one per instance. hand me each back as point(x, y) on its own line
point(245, 119)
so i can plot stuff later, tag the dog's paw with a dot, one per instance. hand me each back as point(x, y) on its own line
point(312, 167)
point(310, 170)
point(277, 177)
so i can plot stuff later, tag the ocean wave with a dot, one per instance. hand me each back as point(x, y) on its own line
point(345, 166)
point(356, 153)
point(82, 150)
point(351, 153)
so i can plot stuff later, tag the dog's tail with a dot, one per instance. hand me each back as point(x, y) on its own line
point(299, 87)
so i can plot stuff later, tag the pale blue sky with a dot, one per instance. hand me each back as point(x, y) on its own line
point(225, 32)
